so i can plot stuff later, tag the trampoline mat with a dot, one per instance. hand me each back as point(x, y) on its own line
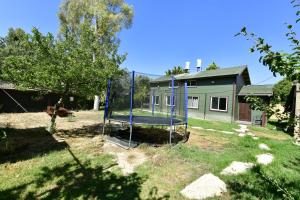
point(146, 120)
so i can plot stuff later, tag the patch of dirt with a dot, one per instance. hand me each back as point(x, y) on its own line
point(208, 142)
point(42, 119)
point(127, 160)
point(272, 136)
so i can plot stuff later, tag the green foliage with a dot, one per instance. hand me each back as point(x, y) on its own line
point(282, 90)
point(175, 71)
point(142, 90)
point(282, 63)
point(212, 66)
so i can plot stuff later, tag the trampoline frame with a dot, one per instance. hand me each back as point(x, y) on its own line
point(131, 121)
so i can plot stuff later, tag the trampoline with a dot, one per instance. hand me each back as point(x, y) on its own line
point(140, 120)
point(142, 99)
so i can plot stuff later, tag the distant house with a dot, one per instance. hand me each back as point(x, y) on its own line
point(214, 95)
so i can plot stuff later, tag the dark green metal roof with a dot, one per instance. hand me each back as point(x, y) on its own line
point(256, 90)
point(206, 74)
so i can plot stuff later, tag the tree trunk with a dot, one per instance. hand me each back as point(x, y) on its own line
point(53, 118)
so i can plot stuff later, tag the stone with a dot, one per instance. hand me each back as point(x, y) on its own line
point(237, 168)
point(264, 159)
point(204, 187)
point(263, 146)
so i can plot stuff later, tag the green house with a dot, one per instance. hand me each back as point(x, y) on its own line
point(212, 95)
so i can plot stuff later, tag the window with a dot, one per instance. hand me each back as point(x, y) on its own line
point(218, 103)
point(176, 84)
point(192, 83)
point(168, 101)
point(193, 102)
point(156, 100)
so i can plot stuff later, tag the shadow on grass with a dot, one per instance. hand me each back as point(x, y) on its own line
point(23, 144)
point(76, 180)
point(264, 186)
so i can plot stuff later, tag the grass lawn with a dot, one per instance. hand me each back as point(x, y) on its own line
point(44, 167)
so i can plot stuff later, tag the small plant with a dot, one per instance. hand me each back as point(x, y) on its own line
point(3, 137)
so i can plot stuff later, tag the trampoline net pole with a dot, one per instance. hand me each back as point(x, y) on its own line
point(106, 104)
point(186, 105)
point(131, 105)
point(153, 103)
point(172, 108)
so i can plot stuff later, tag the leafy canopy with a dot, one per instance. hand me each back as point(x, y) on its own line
point(212, 66)
point(80, 60)
point(175, 71)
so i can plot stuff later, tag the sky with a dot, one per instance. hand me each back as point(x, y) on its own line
point(166, 33)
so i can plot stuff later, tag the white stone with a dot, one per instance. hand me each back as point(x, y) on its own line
point(264, 159)
point(237, 168)
point(227, 132)
point(204, 187)
point(197, 127)
point(242, 126)
point(251, 134)
point(242, 134)
point(263, 146)
point(210, 129)
point(255, 138)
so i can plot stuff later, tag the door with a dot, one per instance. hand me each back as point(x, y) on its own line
point(244, 112)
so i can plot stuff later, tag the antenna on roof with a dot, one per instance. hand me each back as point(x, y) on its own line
point(187, 67)
point(198, 66)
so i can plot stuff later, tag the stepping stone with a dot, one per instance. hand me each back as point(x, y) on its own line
point(241, 134)
point(197, 127)
point(237, 168)
point(251, 134)
point(227, 132)
point(242, 126)
point(204, 187)
point(210, 129)
point(263, 146)
point(255, 138)
point(264, 159)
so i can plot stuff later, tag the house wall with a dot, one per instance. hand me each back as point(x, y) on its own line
point(205, 89)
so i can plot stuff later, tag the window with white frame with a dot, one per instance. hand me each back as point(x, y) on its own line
point(156, 100)
point(193, 102)
point(168, 101)
point(218, 103)
point(191, 83)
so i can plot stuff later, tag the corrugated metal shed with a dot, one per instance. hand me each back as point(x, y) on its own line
point(256, 90)
point(211, 73)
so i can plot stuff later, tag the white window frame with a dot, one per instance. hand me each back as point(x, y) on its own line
point(218, 104)
point(170, 100)
point(190, 85)
point(194, 107)
point(156, 103)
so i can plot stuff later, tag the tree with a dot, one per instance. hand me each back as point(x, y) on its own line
point(142, 90)
point(212, 66)
point(278, 62)
point(282, 90)
point(106, 18)
point(175, 71)
point(81, 60)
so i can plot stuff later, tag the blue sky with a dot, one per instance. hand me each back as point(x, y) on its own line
point(167, 33)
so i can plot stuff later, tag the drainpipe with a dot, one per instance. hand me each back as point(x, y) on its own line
point(233, 100)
